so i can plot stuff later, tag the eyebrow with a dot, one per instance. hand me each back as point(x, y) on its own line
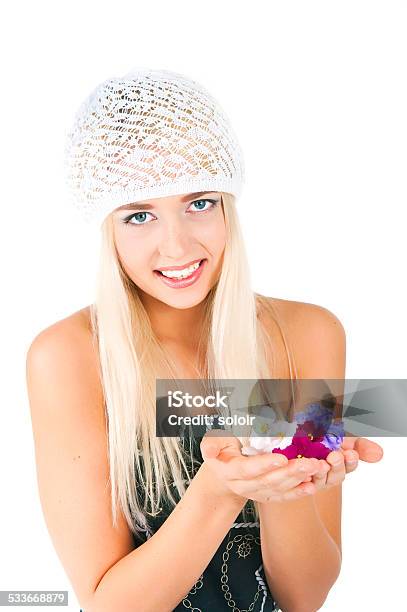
point(140, 206)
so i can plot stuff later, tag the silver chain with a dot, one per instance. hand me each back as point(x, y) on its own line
point(224, 579)
point(198, 585)
point(244, 550)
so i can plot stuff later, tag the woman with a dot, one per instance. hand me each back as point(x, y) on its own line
point(153, 159)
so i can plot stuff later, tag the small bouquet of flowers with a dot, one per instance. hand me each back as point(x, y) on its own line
point(312, 434)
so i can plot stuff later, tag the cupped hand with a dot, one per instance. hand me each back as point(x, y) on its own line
point(345, 460)
point(272, 477)
point(263, 477)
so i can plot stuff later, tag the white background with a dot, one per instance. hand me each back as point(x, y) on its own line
point(316, 92)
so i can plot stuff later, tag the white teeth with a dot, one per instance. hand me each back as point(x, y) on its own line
point(181, 273)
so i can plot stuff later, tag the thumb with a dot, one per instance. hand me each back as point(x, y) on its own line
point(215, 441)
point(368, 450)
point(210, 450)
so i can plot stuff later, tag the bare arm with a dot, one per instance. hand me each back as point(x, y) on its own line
point(106, 571)
point(175, 556)
point(301, 539)
point(301, 560)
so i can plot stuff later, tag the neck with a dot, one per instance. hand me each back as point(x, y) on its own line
point(171, 325)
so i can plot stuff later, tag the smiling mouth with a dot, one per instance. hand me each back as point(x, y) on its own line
point(175, 277)
point(183, 281)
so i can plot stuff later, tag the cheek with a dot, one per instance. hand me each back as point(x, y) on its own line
point(214, 235)
point(131, 256)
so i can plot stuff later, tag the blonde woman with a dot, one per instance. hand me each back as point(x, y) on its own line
point(141, 522)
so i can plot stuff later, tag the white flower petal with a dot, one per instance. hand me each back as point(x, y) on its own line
point(286, 441)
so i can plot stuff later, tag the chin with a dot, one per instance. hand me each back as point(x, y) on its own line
point(184, 302)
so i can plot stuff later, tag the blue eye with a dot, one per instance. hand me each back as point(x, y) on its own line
point(213, 202)
point(134, 215)
point(137, 215)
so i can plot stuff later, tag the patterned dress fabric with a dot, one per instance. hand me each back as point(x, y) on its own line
point(234, 580)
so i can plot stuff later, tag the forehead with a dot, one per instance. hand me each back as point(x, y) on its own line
point(149, 204)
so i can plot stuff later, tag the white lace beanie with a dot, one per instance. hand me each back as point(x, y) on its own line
point(151, 133)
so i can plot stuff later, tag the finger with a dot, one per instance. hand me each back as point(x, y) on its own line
point(215, 442)
point(256, 466)
point(368, 450)
point(279, 480)
point(210, 451)
point(335, 459)
point(323, 469)
point(337, 471)
point(348, 442)
point(300, 491)
point(351, 460)
point(319, 479)
point(294, 474)
point(241, 467)
point(297, 492)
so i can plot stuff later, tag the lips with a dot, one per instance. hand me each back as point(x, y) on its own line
point(181, 283)
point(179, 267)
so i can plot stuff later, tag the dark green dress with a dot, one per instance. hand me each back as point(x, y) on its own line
point(234, 579)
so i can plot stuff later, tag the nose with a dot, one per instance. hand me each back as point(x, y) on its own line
point(174, 243)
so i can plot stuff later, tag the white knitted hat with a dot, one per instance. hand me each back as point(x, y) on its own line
point(150, 133)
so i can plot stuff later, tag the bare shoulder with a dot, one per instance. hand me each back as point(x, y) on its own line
point(68, 341)
point(71, 453)
point(301, 314)
point(315, 334)
point(74, 325)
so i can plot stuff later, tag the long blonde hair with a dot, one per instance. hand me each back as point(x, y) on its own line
point(234, 345)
